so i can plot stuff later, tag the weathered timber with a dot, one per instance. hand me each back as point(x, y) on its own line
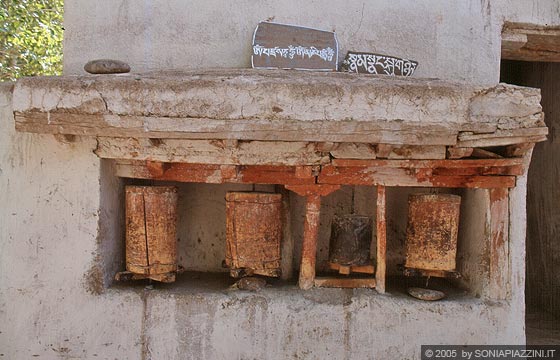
point(501, 141)
point(313, 194)
point(454, 152)
point(499, 286)
point(431, 273)
point(350, 283)
point(309, 246)
point(287, 244)
point(519, 150)
point(211, 151)
point(272, 106)
point(254, 233)
point(472, 173)
point(381, 235)
point(242, 129)
point(346, 270)
point(529, 42)
point(214, 174)
point(353, 151)
point(419, 152)
point(427, 164)
point(485, 154)
point(422, 177)
point(525, 132)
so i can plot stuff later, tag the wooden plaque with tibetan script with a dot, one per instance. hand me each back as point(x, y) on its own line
point(279, 46)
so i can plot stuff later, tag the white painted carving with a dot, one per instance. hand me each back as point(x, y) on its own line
point(379, 64)
point(290, 52)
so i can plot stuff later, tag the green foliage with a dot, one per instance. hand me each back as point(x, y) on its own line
point(30, 38)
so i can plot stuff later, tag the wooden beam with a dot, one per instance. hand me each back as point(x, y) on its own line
point(499, 286)
point(309, 246)
point(411, 164)
point(287, 245)
point(350, 283)
point(388, 176)
point(109, 125)
point(529, 42)
point(212, 173)
point(211, 151)
point(381, 235)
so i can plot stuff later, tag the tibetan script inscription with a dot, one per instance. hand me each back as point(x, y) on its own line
point(369, 63)
point(278, 46)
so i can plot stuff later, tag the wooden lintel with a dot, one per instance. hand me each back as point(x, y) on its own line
point(425, 164)
point(212, 173)
point(381, 235)
point(410, 177)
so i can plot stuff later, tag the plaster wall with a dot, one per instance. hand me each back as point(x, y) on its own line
point(454, 40)
point(59, 213)
point(50, 250)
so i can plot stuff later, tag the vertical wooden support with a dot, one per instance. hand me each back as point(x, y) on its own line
point(287, 244)
point(499, 244)
point(309, 247)
point(381, 235)
point(313, 195)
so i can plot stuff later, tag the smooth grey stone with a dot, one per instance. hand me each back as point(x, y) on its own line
point(106, 66)
point(426, 294)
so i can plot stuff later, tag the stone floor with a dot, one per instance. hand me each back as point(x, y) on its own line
point(542, 329)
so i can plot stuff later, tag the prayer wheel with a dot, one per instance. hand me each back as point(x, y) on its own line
point(253, 233)
point(431, 234)
point(151, 227)
point(350, 240)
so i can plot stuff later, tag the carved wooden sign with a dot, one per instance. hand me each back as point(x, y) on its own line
point(368, 63)
point(279, 46)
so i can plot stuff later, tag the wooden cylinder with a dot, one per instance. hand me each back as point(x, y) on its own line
point(431, 234)
point(253, 233)
point(350, 240)
point(151, 227)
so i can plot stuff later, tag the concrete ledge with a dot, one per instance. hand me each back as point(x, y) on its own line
point(200, 318)
point(248, 104)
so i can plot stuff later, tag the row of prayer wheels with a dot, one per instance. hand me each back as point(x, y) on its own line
point(254, 234)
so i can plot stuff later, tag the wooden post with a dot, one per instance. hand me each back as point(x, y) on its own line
point(287, 244)
point(313, 195)
point(309, 246)
point(381, 240)
point(499, 244)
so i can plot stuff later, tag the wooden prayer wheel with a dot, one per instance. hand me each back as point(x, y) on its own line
point(350, 240)
point(431, 234)
point(253, 233)
point(151, 227)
